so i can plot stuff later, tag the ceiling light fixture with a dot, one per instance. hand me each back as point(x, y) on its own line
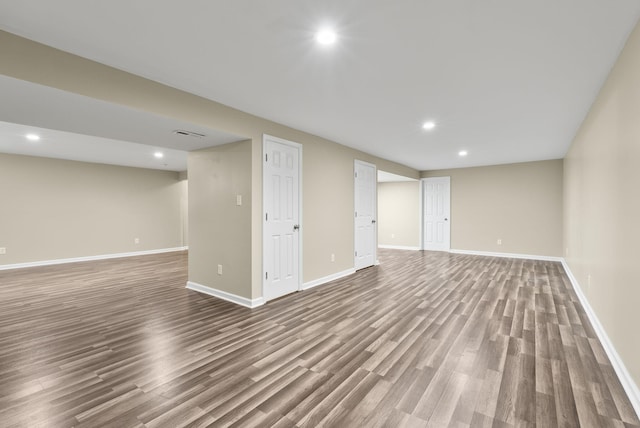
point(32, 137)
point(326, 36)
point(159, 155)
point(462, 153)
point(429, 125)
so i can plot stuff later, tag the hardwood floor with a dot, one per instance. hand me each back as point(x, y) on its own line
point(424, 339)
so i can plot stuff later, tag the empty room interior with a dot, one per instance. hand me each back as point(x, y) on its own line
point(303, 214)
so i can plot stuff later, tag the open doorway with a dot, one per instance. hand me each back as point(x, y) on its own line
point(398, 212)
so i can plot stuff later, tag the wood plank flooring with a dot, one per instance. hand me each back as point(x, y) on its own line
point(424, 339)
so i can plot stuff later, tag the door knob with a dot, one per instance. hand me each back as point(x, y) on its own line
point(373, 221)
point(446, 219)
point(296, 227)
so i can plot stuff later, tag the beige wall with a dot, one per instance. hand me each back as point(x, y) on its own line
point(521, 204)
point(602, 206)
point(399, 214)
point(328, 166)
point(328, 198)
point(220, 230)
point(55, 209)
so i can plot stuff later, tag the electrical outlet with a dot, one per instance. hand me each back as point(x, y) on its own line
point(393, 235)
point(238, 200)
point(333, 257)
point(136, 240)
point(499, 241)
point(3, 250)
point(219, 269)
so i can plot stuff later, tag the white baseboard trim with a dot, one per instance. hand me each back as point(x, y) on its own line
point(229, 297)
point(630, 387)
point(90, 258)
point(508, 255)
point(328, 278)
point(399, 247)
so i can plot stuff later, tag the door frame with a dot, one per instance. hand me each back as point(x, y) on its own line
point(375, 211)
point(298, 146)
point(423, 182)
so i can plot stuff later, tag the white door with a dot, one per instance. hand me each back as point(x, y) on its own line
point(436, 213)
point(281, 233)
point(365, 214)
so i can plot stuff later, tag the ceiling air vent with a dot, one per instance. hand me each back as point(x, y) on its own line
point(184, 133)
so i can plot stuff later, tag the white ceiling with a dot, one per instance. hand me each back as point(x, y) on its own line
point(94, 130)
point(506, 80)
point(84, 148)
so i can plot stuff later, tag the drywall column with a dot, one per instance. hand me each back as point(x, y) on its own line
point(220, 236)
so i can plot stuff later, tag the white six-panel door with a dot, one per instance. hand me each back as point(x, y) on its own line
point(365, 205)
point(281, 234)
point(436, 227)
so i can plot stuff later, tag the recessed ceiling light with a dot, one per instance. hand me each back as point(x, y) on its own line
point(32, 137)
point(429, 125)
point(159, 155)
point(462, 153)
point(326, 36)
